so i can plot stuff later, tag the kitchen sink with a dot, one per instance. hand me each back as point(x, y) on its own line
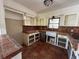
point(51, 33)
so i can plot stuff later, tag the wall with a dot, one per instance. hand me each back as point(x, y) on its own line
point(63, 29)
point(63, 11)
point(2, 19)
point(14, 29)
point(18, 7)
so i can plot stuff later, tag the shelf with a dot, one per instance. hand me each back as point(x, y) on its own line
point(62, 39)
point(32, 36)
point(62, 42)
point(53, 43)
point(36, 34)
point(30, 41)
point(37, 37)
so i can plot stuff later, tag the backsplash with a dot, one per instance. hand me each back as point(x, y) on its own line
point(69, 29)
point(65, 29)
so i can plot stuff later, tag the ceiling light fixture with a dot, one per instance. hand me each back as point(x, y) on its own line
point(48, 2)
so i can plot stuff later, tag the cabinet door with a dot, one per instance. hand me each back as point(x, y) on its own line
point(71, 20)
point(34, 21)
point(38, 21)
point(45, 22)
point(62, 42)
point(69, 50)
point(62, 20)
point(27, 21)
point(42, 22)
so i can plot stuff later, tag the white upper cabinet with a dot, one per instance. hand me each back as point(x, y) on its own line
point(27, 21)
point(43, 21)
point(69, 20)
point(62, 20)
point(35, 21)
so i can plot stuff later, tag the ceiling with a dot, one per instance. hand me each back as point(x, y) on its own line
point(38, 6)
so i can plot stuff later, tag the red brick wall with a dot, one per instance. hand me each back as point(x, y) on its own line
point(65, 29)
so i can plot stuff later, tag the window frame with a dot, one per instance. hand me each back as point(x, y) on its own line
point(54, 23)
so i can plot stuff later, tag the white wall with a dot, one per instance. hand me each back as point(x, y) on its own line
point(14, 5)
point(14, 29)
point(2, 19)
point(63, 11)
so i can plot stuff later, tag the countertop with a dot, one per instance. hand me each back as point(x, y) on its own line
point(8, 46)
point(73, 41)
point(30, 32)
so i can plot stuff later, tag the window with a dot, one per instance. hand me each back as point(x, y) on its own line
point(53, 23)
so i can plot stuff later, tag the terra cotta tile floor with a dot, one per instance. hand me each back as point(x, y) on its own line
point(41, 50)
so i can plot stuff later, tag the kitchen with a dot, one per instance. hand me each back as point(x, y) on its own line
point(40, 32)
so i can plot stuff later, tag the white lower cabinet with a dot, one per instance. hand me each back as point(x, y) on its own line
point(51, 37)
point(62, 41)
point(31, 38)
point(18, 56)
point(77, 54)
point(58, 40)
